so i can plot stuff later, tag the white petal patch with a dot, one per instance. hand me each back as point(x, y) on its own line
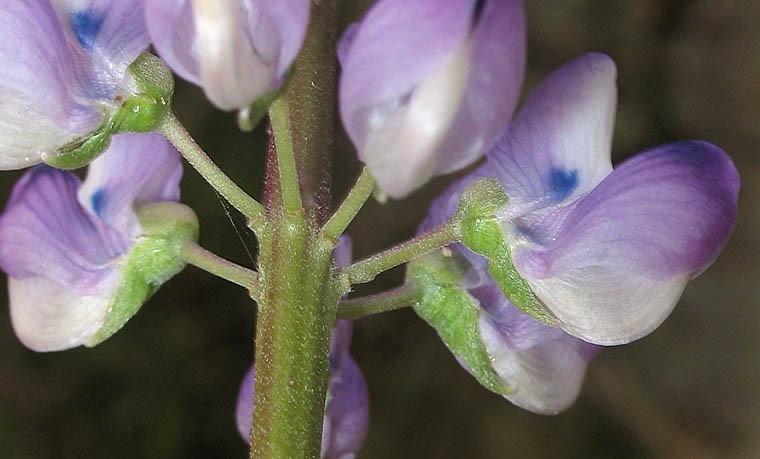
point(608, 306)
point(47, 317)
point(232, 72)
point(26, 132)
point(546, 378)
point(401, 149)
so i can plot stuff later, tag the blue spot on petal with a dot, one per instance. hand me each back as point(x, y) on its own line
point(96, 200)
point(562, 183)
point(86, 25)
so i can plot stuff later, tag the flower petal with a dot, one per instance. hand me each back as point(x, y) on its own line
point(558, 146)
point(171, 26)
point(137, 169)
point(546, 376)
point(237, 50)
point(404, 56)
point(110, 33)
point(38, 113)
point(347, 412)
point(496, 69)
point(48, 317)
point(625, 252)
point(45, 232)
point(288, 19)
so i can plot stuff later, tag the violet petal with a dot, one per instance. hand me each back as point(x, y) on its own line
point(558, 146)
point(137, 169)
point(44, 231)
point(40, 111)
point(403, 57)
point(237, 50)
point(107, 36)
point(624, 254)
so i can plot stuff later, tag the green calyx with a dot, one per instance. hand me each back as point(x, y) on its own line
point(142, 111)
point(482, 233)
point(153, 260)
point(454, 314)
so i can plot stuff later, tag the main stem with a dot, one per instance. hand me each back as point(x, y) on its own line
point(299, 295)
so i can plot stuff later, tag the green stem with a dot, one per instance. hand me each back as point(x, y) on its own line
point(400, 297)
point(366, 270)
point(293, 328)
point(286, 161)
point(356, 198)
point(197, 256)
point(178, 136)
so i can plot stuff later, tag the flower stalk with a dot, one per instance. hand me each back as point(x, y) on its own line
point(299, 295)
point(366, 270)
point(397, 298)
point(178, 136)
point(201, 258)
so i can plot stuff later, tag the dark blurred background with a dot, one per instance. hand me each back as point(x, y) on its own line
point(166, 385)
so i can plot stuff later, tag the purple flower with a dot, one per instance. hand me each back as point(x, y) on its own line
point(607, 252)
point(427, 85)
point(347, 412)
point(236, 50)
point(64, 64)
point(542, 367)
point(71, 249)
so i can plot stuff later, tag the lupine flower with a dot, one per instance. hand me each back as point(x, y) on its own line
point(427, 85)
point(79, 258)
point(608, 253)
point(540, 368)
point(236, 50)
point(347, 412)
point(64, 70)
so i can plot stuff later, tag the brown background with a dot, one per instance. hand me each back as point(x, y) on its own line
point(166, 385)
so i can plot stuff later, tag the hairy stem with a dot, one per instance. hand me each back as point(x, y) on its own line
point(178, 136)
point(400, 297)
point(197, 256)
point(300, 297)
point(366, 270)
point(350, 206)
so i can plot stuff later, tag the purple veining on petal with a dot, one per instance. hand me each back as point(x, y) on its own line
point(137, 169)
point(558, 146)
point(40, 109)
point(521, 331)
point(664, 212)
point(106, 37)
point(44, 231)
point(65, 62)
